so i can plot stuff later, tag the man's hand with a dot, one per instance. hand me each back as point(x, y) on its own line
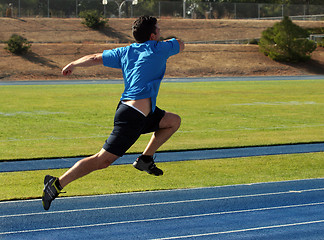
point(181, 44)
point(68, 69)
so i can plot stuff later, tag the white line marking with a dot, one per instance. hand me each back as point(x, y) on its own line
point(84, 123)
point(33, 113)
point(243, 230)
point(162, 203)
point(162, 219)
point(255, 129)
point(51, 138)
point(276, 103)
point(167, 190)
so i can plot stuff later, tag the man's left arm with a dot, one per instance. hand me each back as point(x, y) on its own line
point(86, 61)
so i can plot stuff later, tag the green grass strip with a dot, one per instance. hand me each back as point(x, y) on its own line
point(187, 174)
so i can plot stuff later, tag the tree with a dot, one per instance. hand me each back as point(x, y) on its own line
point(286, 41)
point(18, 44)
point(93, 19)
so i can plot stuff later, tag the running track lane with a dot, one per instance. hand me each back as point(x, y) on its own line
point(278, 210)
point(178, 80)
point(42, 164)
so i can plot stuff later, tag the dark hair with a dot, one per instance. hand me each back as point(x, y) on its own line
point(143, 27)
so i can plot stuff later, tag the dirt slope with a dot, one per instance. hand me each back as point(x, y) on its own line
point(59, 41)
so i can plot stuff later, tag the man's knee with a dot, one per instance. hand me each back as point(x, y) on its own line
point(104, 159)
point(177, 121)
point(170, 120)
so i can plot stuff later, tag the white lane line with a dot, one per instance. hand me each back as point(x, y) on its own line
point(255, 129)
point(32, 113)
point(162, 219)
point(243, 230)
point(276, 103)
point(52, 138)
point(169, 190)
point(163, 203)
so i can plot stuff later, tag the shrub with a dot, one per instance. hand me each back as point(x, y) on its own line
point(18, 44)
point(321, 43)
point(253, 41)
point(317, 30)
point(286, 41)
point(93, 19)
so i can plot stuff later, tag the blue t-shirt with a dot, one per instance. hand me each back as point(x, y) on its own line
point(143, 66)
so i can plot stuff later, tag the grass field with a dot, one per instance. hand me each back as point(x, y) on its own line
point(70, 120)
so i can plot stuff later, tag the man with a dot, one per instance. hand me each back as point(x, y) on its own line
point(143, 65)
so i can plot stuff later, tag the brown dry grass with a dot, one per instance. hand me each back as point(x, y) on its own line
point(63, 40)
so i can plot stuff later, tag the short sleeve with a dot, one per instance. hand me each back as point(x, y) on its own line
point(171, 47)
point(112, 58)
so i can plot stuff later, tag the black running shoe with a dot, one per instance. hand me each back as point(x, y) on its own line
point(146, 163)
point(50, 192)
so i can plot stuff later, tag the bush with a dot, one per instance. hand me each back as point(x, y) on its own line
point(317, 30)
point(321, 43)
point(93, 19)
point(18, 44)
point(253, 41)
point(286, 41)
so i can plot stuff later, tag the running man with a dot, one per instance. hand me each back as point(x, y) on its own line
point(143, 66)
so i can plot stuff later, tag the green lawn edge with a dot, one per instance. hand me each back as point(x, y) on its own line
point(178, 175)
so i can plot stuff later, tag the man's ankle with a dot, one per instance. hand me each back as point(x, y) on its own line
point(146, 158)
point(58, 185)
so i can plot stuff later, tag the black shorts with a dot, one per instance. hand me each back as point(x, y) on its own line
point(129, 124)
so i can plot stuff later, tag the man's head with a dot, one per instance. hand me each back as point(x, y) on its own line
point(145, 28)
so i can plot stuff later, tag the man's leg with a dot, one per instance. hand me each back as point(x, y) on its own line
point(87, 165)
point(53, 185)
point(169, 124)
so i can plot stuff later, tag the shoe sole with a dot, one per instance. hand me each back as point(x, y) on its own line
point(44, 201)
point(148, 171)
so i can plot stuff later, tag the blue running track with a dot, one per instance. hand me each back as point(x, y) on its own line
point(278, 211)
